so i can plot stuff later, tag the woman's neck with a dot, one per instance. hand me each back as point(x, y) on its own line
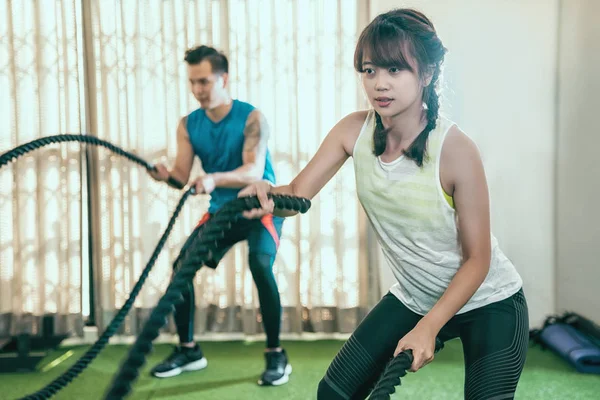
point(404, 128)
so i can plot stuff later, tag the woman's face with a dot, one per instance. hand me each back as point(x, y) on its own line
point(391, 90)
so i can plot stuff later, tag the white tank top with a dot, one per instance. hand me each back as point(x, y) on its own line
point(416, 226)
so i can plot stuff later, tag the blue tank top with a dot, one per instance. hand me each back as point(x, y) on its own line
point(219, 147)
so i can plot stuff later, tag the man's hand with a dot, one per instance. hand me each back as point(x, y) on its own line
point(160, 173)
point(205, 184)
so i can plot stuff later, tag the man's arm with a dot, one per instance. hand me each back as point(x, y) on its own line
point(254, 153)
point(183, 161)
point(185, 154)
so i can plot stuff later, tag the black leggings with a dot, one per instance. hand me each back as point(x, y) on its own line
point(495, 340)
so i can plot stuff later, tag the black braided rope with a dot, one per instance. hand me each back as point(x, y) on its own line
point(81, 364)
point(396, 369)
point(68, 376)
point(18, 151)
point(200, 251)
point(390, 378)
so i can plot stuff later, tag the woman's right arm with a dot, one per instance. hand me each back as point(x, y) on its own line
point(331, 155)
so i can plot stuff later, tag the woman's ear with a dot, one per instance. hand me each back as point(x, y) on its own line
point(428, 77)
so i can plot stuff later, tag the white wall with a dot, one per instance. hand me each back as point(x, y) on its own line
point(500, 83)
point(578, 172)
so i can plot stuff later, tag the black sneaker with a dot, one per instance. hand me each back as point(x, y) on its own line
point(278, 369)
point(182, 359)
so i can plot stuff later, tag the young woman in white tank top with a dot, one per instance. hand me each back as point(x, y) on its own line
point(422, 184)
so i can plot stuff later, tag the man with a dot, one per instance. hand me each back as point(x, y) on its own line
point(230, 138)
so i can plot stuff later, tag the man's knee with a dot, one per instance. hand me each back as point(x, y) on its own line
point(260, 263)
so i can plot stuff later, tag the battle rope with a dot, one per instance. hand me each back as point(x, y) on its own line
point(18, 151)
point(63, 380)
point(199, 252)
point(81, 364)
point(395, 370)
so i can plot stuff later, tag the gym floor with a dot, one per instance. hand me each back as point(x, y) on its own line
point(234, 368)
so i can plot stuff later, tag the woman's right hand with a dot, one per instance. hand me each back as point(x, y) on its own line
point(160, 173)
point(260, 190)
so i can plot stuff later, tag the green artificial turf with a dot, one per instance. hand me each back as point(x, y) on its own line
point(235, 366)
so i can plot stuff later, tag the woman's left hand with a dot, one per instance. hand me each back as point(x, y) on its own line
point(421, 340)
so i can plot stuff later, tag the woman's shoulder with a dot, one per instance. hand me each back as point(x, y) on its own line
point(457, 141)
point(355, 120)
point(460, 156)
point(349, 128)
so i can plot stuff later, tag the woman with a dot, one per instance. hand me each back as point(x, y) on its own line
point(422, 184)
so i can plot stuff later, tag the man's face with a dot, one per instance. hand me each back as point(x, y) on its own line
point(207, 87)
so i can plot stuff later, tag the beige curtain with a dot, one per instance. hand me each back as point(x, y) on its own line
point(291, 59)
point(115, 69)
point(41, 203)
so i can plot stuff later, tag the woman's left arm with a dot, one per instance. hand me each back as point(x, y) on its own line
point(462, 174)
point(462, 169)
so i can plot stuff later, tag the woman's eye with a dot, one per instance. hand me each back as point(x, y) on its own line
point(394, 70)
point(369, 71)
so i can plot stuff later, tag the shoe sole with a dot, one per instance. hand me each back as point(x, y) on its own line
point(281, 381)
point(193, 366)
